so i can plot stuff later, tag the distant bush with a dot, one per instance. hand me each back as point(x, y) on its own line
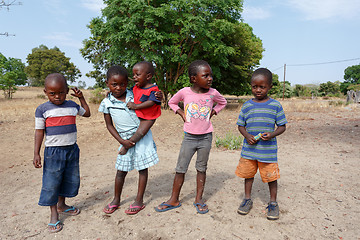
point(41, 96)
point(230, 141)
point(337, 103)
point(97, 96)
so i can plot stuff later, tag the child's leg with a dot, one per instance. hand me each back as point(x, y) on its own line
point(139, 201)
point(119, 183)
point(54, 218)
point(142, 130)
point(248, 187)
point(200, 185)
point(273, 190)
point(62, 207)
point(177, 185)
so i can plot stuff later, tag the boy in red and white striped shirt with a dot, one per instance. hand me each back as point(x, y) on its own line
point(55, 120)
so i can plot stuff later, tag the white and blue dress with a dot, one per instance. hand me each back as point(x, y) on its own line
point(143, 155)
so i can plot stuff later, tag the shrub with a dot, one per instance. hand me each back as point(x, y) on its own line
point(97, 96)
point(230, 141)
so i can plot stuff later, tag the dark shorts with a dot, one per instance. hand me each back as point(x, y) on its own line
point(194, 143)
point(61, 175)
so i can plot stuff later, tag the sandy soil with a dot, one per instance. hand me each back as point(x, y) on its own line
point(318, 194)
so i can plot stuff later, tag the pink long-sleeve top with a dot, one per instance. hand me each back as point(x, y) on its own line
point(197, 108)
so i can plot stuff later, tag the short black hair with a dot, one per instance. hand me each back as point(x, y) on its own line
point(193, 68)
point(265, 72)
point(149, 67)
point(55, 77)
point(116, 70)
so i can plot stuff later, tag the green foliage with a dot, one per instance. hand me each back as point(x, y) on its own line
point(352, 77)
point(171, 34)
point(337, 103)
point(11, 75)
point(330, 89)
point(234, 79)
point(42, 61)
point(354, 87)
point(277, 91)
point(81, 84)
point(230, 141)
point(302, 91)
point(97, 95)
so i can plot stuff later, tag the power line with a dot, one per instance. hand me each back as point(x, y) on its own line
point(312, 64)
point(309, 64)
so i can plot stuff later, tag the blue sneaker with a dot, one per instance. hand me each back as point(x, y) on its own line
point(245, 206)
point(273, 211)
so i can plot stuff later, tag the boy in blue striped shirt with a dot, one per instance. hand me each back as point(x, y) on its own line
point(256, 122)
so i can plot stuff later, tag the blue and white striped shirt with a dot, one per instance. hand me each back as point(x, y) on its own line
point(259, 118)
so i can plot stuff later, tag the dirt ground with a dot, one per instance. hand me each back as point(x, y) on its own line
point(318, 191)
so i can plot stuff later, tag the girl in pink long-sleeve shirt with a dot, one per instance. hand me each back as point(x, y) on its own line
point(198, 109)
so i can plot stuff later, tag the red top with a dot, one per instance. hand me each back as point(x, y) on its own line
point(147, 94)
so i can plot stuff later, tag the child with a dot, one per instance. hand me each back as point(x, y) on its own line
point(142, 155)
point(147, 107)
point(259, 116)
point(198, 104)
point(56, 120)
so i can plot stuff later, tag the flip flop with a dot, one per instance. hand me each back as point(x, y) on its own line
point(168, 207)
point(109, 209)
point(202, 206)
point(139, 208)
point(72, 211)
point(56, 228)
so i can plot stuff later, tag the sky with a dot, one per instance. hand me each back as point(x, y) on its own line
point(316, 39)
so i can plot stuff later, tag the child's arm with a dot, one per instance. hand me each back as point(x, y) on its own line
point(39, 136)
point(146, 104)
point(181, 113)
point(221, 103)
point(77, 93)
point(149, 103)
point(114, 133)
point(268, 135)
point(249, 138)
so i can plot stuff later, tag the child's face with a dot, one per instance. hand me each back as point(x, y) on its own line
point(117, 85)
point(56, 92)
point(260, 87)
point(140, 75)
point(203, 78)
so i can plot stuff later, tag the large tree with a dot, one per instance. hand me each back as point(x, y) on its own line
point(351, 77)
point(171, 34)
point(235, 78)
point(11, 75)
point(42, 61)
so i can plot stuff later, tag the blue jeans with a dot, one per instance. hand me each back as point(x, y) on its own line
point(61, 176)
point(194, 143)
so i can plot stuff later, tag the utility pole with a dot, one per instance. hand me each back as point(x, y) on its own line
point(284, 81)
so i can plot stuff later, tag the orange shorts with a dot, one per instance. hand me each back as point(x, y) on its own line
point(246, 168)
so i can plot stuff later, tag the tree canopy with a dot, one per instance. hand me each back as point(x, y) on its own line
point(351, 77)
point(42, 61)
point(11, 75)
point(172, 34)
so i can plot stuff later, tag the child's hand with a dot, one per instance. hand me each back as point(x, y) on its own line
point(213, 112)
point(182, 114)
point(77, 92)
point(266, 136)
point(251, 140)
point(131, 105)
point(37, 161)
point(127, 144)
point(159, 95)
